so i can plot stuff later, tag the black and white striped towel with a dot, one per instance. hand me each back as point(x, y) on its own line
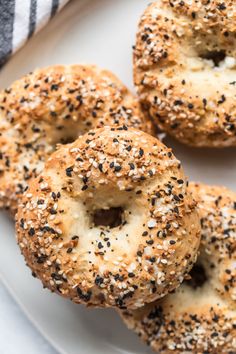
point(20, 19)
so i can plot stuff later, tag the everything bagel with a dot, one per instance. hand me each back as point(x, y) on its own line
point(54, 106)
point(185, 69)
point(109, 222)
point(200, 317)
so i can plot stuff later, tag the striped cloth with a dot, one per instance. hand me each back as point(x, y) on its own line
point(20, 19)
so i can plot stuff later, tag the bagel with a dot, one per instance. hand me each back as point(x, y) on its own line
point(54, 106)
point(109, 221)
point(200, 317)
point(185, 69)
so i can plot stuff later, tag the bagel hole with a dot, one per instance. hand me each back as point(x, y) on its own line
point(65, 134)
point(198, 276)
point(67, 140)
point(112, 217)
point(216, 56)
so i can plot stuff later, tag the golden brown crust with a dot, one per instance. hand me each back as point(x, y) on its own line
point(200, 317)
point(139, 260)
point(188, 95)
point(51, 106)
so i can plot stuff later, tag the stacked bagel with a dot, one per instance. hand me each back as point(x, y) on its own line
point(104, 213)
point(200, 316)
point(184, 69)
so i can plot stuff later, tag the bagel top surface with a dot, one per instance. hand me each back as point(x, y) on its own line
point(200, 316)
point(109, 222)
point(51, 106)
point(185, 69)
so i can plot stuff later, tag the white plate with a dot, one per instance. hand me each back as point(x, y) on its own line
point(100, 32)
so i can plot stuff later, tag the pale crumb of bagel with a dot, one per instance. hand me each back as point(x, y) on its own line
point(116, 262)
point(227, 63)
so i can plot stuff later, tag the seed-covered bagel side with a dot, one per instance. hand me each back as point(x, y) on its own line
point(109, 221)
point(51, 106)
point(185, 69)
point(200, 317)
